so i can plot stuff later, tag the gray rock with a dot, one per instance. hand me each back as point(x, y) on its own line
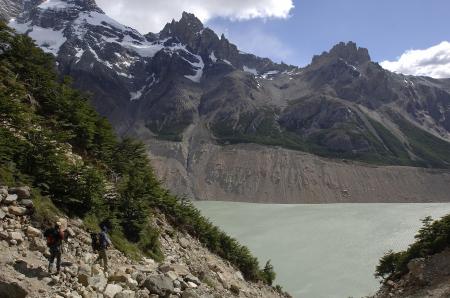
point(132, 283)
point(98, 282)
point(27, 203)
point(118, 277)
point(2, 214)
point(126, 294)
point(190, 293)
point(70, 232)
point(192, 278)
point(144, 293)
point(16, 236)
point(10, 199)
point(184, 242)
point(33, 232)
point(179, 269)
point(3, 193)
point(4, 235)
point(159, 284)
point(172, 275)
point(111, 290)
point(38, 244)
point(22, 192)
point(139, 277)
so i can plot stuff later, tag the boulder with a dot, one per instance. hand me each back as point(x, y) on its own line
point(184, 242)
point(144, 293)
point(4, 235)
point(132, 284)
point(10, 199)
point(192, 278)
point(235, 289)
point(16, 210)
point(27, 203)
point(98, 282)
point(22, 192)
point(3, 193)
point(33, 232)
point(38, 244)
point(180, 270)
point(16, 236)
point(12, 290)
point(111, 290)
point(172, 275)
point(126, 294)
point(96, 269)
point(192, 285)
point(139, 277)
point(118, 276)
point(189, 293)
point(2, 214)
point(159, 284)
point(70, 232)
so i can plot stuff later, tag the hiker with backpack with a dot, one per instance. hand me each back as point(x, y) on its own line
point(54, 237)
point(100, 243)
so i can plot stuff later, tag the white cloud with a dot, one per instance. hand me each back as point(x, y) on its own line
point(433, 62)
point(151, 16)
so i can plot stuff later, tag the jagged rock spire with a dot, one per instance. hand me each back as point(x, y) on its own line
point(349, 52)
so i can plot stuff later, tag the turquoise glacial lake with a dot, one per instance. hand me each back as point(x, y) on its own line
point(322, 251)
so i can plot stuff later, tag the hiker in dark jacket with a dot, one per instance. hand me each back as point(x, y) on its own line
point(54, 237)
point(103, 244)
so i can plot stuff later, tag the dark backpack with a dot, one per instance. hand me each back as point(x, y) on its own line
point(103, 241)
point(53, 237)
point(95, 237)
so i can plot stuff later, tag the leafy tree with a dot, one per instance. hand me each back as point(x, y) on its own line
point(268, 273)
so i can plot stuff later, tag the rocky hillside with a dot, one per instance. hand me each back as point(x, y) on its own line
point(423, 270)
point(189, 270)
point(196, 90)
point(427, 277)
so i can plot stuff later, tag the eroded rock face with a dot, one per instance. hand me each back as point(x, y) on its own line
point(253, 173)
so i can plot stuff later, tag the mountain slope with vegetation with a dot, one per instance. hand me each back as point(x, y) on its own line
point(52, 139)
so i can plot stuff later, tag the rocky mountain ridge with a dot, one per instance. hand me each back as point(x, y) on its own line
point(187, 86)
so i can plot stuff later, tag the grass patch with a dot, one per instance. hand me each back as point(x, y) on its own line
point(46, 213)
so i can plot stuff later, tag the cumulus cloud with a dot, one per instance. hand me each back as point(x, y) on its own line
point(433, 62)
point(151, 16)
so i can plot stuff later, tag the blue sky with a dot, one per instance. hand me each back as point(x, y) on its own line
point(386, 27)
